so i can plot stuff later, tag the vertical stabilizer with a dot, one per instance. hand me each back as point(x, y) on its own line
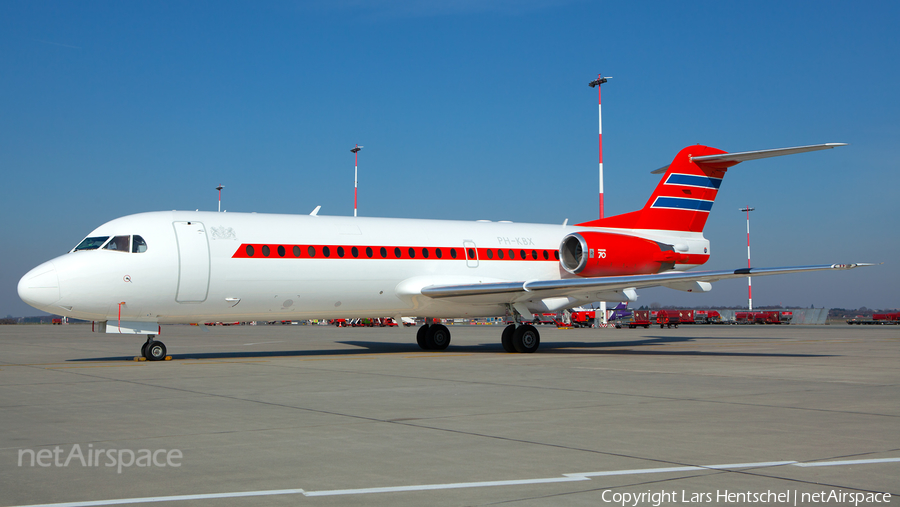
point(682, 199)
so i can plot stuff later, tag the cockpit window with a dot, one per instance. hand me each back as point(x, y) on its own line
point(91, 243)
point(138, 245)
point(118, 243)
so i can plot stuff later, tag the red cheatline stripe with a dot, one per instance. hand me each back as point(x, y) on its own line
point(278, 251)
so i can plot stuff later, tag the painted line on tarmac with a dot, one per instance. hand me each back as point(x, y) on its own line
point(576, 477)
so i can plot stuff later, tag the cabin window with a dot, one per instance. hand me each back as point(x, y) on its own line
point(326, 251)
point(354, 251)
point(249, 250)
point(545, 255)
point(397, 253)
point(425, 253)
point(138, 245)
point(512, 255)
point(118, 244)
point(266, 251)
point(522, 254)
point(490, 253)
point(311, 251)
point(412, 253)
point(91, 243)
point(499, 254)
point(281, 251)
point(534, 254)
point(369, 252)
point(340, 251)
point(296, 251)
point(383, 252)
point(438, 252)
point(453, 253)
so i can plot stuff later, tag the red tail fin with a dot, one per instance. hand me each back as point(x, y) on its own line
point(682, 200)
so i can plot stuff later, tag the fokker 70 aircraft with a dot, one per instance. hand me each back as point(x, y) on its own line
point(136, 272)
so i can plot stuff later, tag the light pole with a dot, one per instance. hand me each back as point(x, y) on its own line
point(747, 210)
point(596, 83)
point(219, 188)
point(355, 151)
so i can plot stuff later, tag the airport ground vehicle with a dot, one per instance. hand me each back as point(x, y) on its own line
point(667, 318)
point(639, 318)
point(878, 319)
point(584, 318)
point(764, 317)
point(707, 317)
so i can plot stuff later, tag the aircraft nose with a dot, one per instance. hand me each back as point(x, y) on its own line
point(40, 286)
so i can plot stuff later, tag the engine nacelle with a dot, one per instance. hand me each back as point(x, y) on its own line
point(590, 253)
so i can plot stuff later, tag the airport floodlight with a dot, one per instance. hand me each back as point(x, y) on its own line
point(596, 84)
point(219, 188)
point(355, 151)
point(747, 210)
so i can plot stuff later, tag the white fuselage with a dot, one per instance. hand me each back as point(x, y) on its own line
point(179, 279)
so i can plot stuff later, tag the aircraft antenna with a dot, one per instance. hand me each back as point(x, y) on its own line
point(355, 151)
point(747, 210)
point(219, 188)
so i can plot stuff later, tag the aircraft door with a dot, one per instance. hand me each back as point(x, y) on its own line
point(193, 262)
point(471, 254)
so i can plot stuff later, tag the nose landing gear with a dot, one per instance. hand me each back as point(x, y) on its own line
point(153, 350)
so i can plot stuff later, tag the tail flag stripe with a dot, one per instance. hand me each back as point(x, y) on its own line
point(682, 203)
point(690, 180)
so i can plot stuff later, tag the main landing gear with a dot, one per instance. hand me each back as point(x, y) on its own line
point(153, 350)
point(433, 336)
point(523, 338)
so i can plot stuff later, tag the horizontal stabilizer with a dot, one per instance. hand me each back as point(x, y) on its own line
point(753, 155)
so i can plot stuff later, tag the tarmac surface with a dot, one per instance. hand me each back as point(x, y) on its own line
point(309, 415)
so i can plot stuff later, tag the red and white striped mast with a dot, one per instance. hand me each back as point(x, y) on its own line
point(355, 151)
point(596, 83)
point(748, 209)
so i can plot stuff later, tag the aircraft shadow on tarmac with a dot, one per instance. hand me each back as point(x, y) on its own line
point(622, 347)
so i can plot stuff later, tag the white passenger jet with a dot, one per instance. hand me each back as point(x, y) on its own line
point(136, 272)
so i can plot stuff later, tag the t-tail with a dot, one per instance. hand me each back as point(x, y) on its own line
point(685, 195)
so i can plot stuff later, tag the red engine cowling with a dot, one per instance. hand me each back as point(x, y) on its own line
point(592, 253)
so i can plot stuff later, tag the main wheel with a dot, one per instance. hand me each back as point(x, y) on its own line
point(526, 339)
point(507, 338)
point(438, 337)
point(156, 351)
point(144, 349)
point(420, 337)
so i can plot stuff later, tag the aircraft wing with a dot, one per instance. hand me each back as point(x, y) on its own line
point(513, 292)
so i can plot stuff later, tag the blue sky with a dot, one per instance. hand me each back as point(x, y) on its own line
point(467, 110)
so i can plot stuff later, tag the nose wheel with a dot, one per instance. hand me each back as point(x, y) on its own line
point(153, 350)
